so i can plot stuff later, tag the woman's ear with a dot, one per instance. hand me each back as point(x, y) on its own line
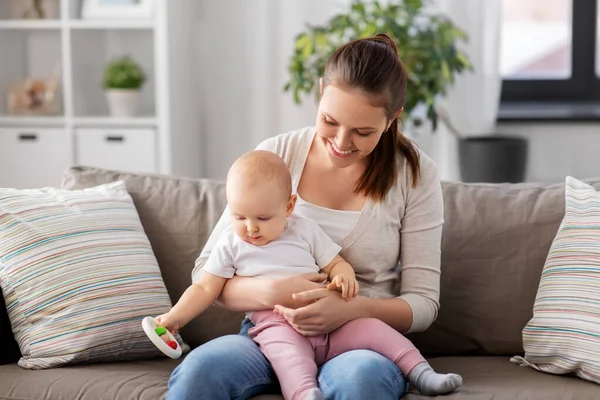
point(397, 115)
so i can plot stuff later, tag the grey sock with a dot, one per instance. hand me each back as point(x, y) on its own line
point(430, 383)
point(315, 394)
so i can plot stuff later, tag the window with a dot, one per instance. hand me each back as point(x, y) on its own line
point(549, 51)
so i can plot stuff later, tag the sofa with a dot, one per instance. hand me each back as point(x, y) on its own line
point(495, 240)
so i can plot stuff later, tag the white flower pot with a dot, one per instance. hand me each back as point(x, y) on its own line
point(122, 102)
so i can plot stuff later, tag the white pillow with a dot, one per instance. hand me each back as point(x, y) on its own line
point(78, 275)
point(564, 334)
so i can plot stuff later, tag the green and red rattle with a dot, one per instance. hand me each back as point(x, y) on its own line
point(161, 337)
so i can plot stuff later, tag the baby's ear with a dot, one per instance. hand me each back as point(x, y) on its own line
point(291, 204)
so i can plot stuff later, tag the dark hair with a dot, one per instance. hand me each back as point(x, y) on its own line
point(373, 66)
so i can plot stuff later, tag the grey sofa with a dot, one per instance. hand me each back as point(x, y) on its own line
point(495, 241)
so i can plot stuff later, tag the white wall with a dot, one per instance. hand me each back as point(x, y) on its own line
point(558, 149)
point(244, 48)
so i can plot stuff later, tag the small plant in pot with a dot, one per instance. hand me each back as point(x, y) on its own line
point(123, 79)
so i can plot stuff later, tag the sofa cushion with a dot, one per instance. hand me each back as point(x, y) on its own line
point(178, 215)
point(495, 378)
point(142, 380)
point(78, 275)
point(495, 240)
point(564, 334)
point(484, 378)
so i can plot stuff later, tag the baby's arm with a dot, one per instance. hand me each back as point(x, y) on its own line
point(194, 301)
point(341, 274)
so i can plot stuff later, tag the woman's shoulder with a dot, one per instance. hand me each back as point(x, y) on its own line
point(428, 171)
point(288, 142)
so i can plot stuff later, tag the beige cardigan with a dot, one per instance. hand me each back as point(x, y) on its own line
point(394, 246)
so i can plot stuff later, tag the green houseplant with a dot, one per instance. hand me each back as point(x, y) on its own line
point(428, 44)
point(123, 79)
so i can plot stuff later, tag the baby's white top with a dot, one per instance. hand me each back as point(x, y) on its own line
point(302, 248)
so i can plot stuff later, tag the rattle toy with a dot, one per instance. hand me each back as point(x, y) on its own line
point(162, 338)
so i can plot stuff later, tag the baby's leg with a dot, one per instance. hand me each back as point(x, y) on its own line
point(373, 334)
point(291, 355)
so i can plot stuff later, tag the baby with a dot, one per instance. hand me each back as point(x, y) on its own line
point(266, 240)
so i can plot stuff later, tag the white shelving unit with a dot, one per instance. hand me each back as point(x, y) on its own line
point(163, 138)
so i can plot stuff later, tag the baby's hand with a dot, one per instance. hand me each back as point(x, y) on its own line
point(169, 322)
point(345, 284)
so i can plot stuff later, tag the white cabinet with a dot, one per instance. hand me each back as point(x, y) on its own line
point(121, 149)
point(164, 136)
point(32, 158)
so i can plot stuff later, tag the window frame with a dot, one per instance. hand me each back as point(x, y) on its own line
point(583, 85)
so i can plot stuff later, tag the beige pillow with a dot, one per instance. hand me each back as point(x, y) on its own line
point(564, 334)
point(78, 275)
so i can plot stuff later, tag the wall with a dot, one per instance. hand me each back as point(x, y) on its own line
point(243, 50)
point(558, 149)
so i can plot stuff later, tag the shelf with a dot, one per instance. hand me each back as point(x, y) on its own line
point(115, 122)
point(111, 24)
point(29, 24)
point(31, 121)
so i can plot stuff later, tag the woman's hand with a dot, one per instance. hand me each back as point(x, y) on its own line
point(327, 310)
point(283, 289)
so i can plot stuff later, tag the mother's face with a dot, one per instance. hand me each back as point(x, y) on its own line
point(349, 125)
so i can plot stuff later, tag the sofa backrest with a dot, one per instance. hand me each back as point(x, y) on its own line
point(495, 240)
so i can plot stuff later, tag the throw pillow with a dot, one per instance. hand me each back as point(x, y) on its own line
point(78, 275)
point(564, 334)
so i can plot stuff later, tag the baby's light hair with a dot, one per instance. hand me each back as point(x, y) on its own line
point(259, 166)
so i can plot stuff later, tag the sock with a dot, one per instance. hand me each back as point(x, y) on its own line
point(315, 394)
point(430, 383)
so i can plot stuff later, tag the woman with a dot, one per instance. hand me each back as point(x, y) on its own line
point(372, 191)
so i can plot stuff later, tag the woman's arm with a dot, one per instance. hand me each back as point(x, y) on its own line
point(417, 306)
point(420, 247)
point(252, 294)
point(332, 311)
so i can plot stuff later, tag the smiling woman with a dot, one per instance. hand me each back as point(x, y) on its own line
point(379, 198)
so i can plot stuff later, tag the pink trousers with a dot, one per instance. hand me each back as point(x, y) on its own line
point(295, 358)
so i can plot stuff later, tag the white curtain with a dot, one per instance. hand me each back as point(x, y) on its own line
point(474, 99)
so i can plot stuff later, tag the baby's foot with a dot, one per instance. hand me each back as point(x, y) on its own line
point(315, 394)
point(430, 383)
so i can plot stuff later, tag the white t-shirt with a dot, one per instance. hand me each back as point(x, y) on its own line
point(336, 223)
point(302, 248)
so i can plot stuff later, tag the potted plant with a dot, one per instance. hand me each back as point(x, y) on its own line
point(427, 42)
point(429, 46)
point(123, 79)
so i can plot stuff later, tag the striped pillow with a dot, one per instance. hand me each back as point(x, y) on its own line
point(564, 334)
point(78, 275)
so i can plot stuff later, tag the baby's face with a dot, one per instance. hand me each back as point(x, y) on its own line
point(258, 214)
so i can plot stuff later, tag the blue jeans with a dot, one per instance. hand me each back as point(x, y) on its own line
point(233, 367)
